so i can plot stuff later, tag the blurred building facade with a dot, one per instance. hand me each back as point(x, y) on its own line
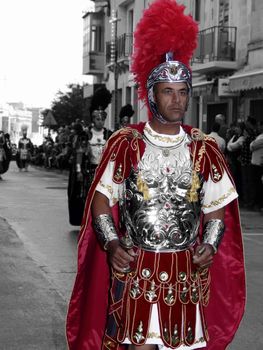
point(227, 65)
point(15, 115)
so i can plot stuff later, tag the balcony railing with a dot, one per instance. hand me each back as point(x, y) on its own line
point(124, 45)
point(123, 48)
point(216, 44)
point(93, 63)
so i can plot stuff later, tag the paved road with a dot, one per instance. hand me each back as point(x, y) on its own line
point(32, 312)
point(40, 245)
point(35, 205)
point(250, 335)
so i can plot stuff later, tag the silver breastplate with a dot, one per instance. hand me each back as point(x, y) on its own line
point(166, 220)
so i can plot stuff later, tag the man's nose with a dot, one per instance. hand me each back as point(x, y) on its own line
point(175, 97)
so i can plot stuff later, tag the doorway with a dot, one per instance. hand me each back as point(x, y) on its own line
point(212, 111)
point(256, 108)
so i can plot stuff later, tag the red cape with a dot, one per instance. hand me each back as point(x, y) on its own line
point(87, 310)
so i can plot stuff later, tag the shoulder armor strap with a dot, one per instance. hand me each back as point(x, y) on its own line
point(127, 153)
point(207, 158)
point(197, 134)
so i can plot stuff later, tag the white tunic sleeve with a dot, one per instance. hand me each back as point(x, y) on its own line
point(217, 195)
point(107, 187)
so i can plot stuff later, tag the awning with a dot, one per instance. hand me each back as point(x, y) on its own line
point(246, 81)
point(202, 87)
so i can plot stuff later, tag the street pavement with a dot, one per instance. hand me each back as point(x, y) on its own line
point(35, 204)
point(249, 335)
point(31, 310)
point(38, 262)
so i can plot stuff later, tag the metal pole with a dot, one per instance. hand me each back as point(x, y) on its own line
point(116, 79)
point(114, 60)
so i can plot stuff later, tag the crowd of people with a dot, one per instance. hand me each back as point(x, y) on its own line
point(82, 144)
point(242, 144)
point(76, 148)
point(56, 153)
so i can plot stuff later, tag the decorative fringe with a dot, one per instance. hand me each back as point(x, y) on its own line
point(192, 194)
point(142, 187)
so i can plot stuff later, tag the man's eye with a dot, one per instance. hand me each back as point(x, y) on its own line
point(183, 93)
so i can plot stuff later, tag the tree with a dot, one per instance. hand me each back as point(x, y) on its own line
point(69, 106)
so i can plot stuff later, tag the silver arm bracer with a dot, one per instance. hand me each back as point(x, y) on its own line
point(213, 232)
point(105, 229)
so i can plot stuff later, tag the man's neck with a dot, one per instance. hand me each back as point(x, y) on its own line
point(168, 129)
point(96, 129)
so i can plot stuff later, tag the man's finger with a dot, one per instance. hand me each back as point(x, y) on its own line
point(121, 267)
point(121, 258)
point(118, 268)
point(125, 256)
point(205, 266)
point(203, 259)
point(131, 252)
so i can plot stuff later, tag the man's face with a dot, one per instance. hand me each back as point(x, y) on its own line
point(99, 122)
point(125, 121)
point(171, 100)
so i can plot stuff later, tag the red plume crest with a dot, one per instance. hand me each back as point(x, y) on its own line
point(164, 27)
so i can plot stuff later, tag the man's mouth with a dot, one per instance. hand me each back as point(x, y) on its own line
point(175, 109)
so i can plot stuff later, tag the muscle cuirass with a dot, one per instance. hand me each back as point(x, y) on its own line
point(24, 143)
point(164, 219)
point(24, 147)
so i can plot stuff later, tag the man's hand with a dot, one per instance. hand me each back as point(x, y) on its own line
point(118, 257)
point(203, 256)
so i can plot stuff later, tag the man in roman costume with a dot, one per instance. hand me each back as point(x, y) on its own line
point(97, 132)
point(25, 148)
point(160, 262)
point(98, 135)
point(125, 115)
point(77, 187)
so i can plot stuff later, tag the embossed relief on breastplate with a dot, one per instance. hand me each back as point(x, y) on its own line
point(167, 220)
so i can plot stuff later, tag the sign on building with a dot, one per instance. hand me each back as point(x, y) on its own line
point(224, 88)
point(49, 120)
